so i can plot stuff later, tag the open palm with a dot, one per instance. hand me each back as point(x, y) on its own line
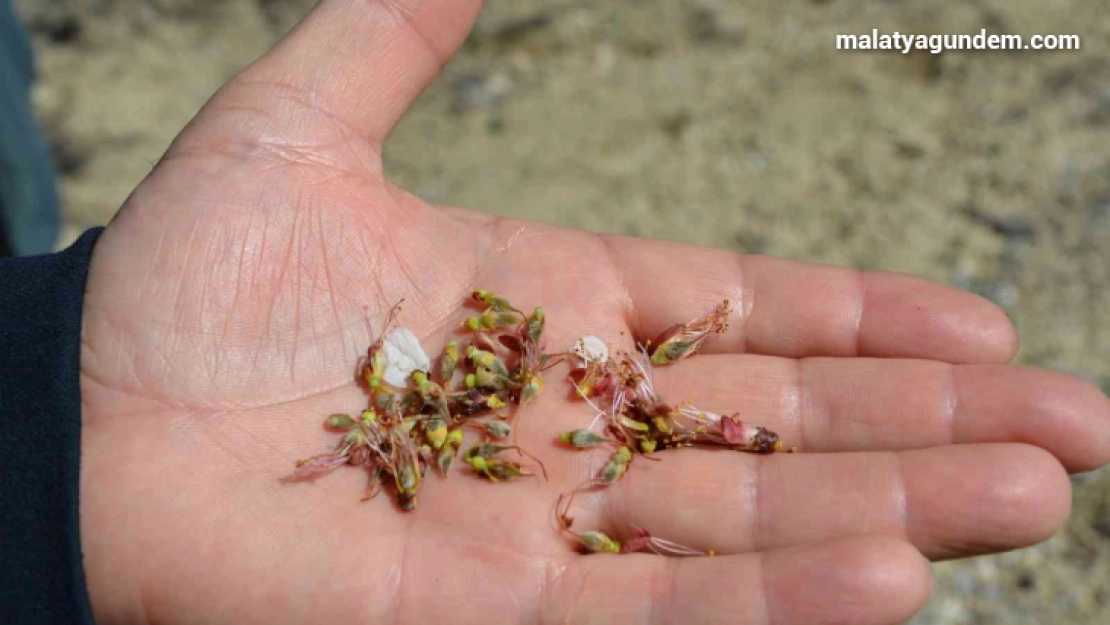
point(226, 307)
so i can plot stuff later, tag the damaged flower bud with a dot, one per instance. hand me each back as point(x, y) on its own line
point(644, 541)
point(590, 373)
point(319, 466)
point(590, 349)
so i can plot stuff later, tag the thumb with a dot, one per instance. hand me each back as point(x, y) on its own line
point(353, 65)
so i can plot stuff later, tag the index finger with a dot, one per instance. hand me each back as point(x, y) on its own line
point(794, 309)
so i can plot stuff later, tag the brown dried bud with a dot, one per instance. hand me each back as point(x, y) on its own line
point(407, 501)
point(359, 456)
point(765, 442)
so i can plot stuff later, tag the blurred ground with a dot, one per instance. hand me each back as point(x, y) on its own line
point(724, 123)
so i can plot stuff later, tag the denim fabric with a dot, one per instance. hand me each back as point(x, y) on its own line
point(29, 214)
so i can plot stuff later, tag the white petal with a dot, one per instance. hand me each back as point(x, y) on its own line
point(591, 349)
point(403, 355)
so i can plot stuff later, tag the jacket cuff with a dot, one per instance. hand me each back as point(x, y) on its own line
point(42, 579)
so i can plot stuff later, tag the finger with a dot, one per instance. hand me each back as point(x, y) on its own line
point(355, 64)
point(858, 581)
point(947, 501)
point(863, 404)
point(787, 308)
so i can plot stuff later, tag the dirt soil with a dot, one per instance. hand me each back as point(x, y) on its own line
point(724, 123)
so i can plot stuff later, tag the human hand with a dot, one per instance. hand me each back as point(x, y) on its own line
point(225, 311)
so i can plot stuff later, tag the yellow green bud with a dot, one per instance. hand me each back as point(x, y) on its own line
point(435, 430)
point(624, 454)
point(633, 424)
point(485, 378)
point(479, 356)
point(341, 422)
point(617, 465)
point(376, 369)
point(667, 353)
point(491, 319)
point(582, 438)
point(477, 463)
point(663, 424)
point(489, 361)
point(485, 450)
point(445, 457)
point(535, 324)
point(455, 437)
point(531, 389)
point(492, 300)
point(498, 470)
point(498, 429)
point(597, 542)
point(449, 361)
point(408, 480)
point(355, 437)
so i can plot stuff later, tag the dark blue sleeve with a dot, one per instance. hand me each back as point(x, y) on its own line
point(41, 575)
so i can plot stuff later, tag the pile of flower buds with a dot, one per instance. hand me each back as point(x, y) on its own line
point(416, 417)
point(636, 420)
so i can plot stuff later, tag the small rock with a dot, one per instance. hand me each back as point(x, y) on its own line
point(480, 91)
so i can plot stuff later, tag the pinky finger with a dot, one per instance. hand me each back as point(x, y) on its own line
point(862, 581)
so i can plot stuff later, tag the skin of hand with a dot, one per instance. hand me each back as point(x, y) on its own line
point(226, 307)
